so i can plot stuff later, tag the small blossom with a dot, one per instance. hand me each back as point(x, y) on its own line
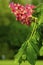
point(22, 13)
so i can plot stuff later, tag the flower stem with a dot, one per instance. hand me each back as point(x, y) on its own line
point(24, 45)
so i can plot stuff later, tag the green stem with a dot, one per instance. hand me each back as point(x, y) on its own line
point(21, 50)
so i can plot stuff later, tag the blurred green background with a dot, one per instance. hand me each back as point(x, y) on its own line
point(12, 33)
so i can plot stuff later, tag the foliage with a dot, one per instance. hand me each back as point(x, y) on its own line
point(13, 34)
point(32, 45)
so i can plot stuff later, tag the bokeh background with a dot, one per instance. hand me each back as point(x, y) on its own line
point(12, 33)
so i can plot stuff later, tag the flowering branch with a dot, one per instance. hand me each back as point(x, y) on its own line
point(24, 15)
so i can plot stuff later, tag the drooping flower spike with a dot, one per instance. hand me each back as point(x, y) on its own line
point(22, 13)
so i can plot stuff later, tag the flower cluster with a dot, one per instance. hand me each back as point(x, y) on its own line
point(22, 13)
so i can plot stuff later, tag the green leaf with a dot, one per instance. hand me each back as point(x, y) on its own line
point(32, 50)
point(31, 54)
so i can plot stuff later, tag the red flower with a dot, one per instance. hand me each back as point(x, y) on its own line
point(22, 13)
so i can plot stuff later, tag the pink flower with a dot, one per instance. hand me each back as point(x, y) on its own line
point(22, 13)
